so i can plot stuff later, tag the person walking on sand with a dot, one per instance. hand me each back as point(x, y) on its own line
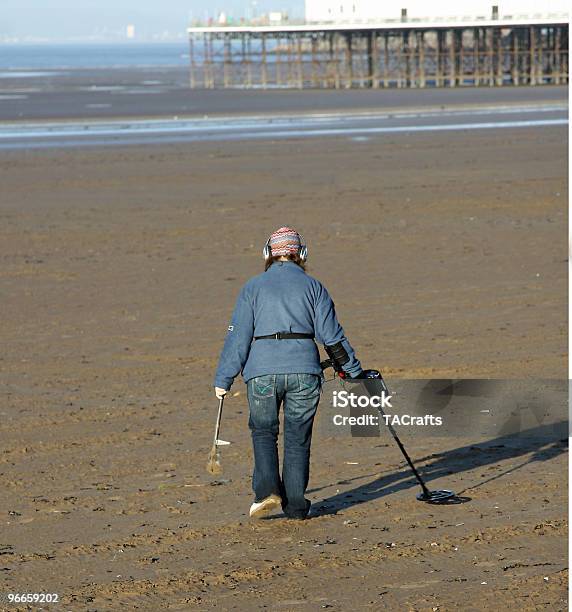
point(270, 339)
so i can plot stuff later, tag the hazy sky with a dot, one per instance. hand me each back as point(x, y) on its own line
point(64, 19)
point(108, 19)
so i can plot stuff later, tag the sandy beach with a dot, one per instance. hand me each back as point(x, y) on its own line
point(446, 256)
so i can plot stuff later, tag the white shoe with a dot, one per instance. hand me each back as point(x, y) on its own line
point(264, 507)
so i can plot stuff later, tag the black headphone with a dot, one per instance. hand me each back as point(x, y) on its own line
point(267, 251)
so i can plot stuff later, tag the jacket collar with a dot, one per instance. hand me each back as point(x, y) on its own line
point(277, 265)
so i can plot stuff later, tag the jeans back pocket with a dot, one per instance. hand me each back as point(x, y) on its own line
point(308, 384)
point(263, 386)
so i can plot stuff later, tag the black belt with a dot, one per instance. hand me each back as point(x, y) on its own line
point(285, 336)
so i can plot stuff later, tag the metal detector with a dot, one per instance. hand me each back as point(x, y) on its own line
point(439, 496)
point(374, 377)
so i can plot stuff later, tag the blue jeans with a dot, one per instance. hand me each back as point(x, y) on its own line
point(299, 394)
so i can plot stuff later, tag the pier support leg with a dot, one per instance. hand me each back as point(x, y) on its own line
point(206, 80)
point(249, 61)
point(565, 55)
point(499, 52)
point(532, 55)
point(491, 57)
point(557, 64)
point(243, 61)
point(385, 60)
point(514, 57)
point(361, 48)
point(459, 57)
point(540, 72)
point(421, 57)
point(476, 63)
point(349, 61)
point(263, 66)
point(452, 59)
point(277, 62)
point(407, 54)
point(289, 61)
point(299, 66)
point(314, 66)
point(548, 55)
point(371, 77)
point(334, 57)
point(226, 62)
point(439, 79)
point(192, 79)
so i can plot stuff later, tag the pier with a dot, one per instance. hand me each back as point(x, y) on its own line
point(478, 53)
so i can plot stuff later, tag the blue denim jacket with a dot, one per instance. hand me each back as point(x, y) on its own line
point(284, 298)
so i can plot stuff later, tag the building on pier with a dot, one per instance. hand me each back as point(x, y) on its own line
point(340, 11)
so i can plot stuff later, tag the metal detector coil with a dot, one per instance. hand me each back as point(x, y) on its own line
point(442, 496)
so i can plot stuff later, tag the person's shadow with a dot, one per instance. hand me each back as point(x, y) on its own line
point(544, 441)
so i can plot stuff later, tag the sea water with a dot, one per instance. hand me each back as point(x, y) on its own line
point(27, 59)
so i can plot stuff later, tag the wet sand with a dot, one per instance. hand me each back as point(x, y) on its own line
point(62, 95)
point(446, 257)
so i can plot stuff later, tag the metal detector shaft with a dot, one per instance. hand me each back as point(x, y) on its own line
point(385, 391)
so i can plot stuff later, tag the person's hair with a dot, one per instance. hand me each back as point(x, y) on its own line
point(291, 257)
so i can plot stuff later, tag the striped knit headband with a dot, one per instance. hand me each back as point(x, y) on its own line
point(285, 241)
